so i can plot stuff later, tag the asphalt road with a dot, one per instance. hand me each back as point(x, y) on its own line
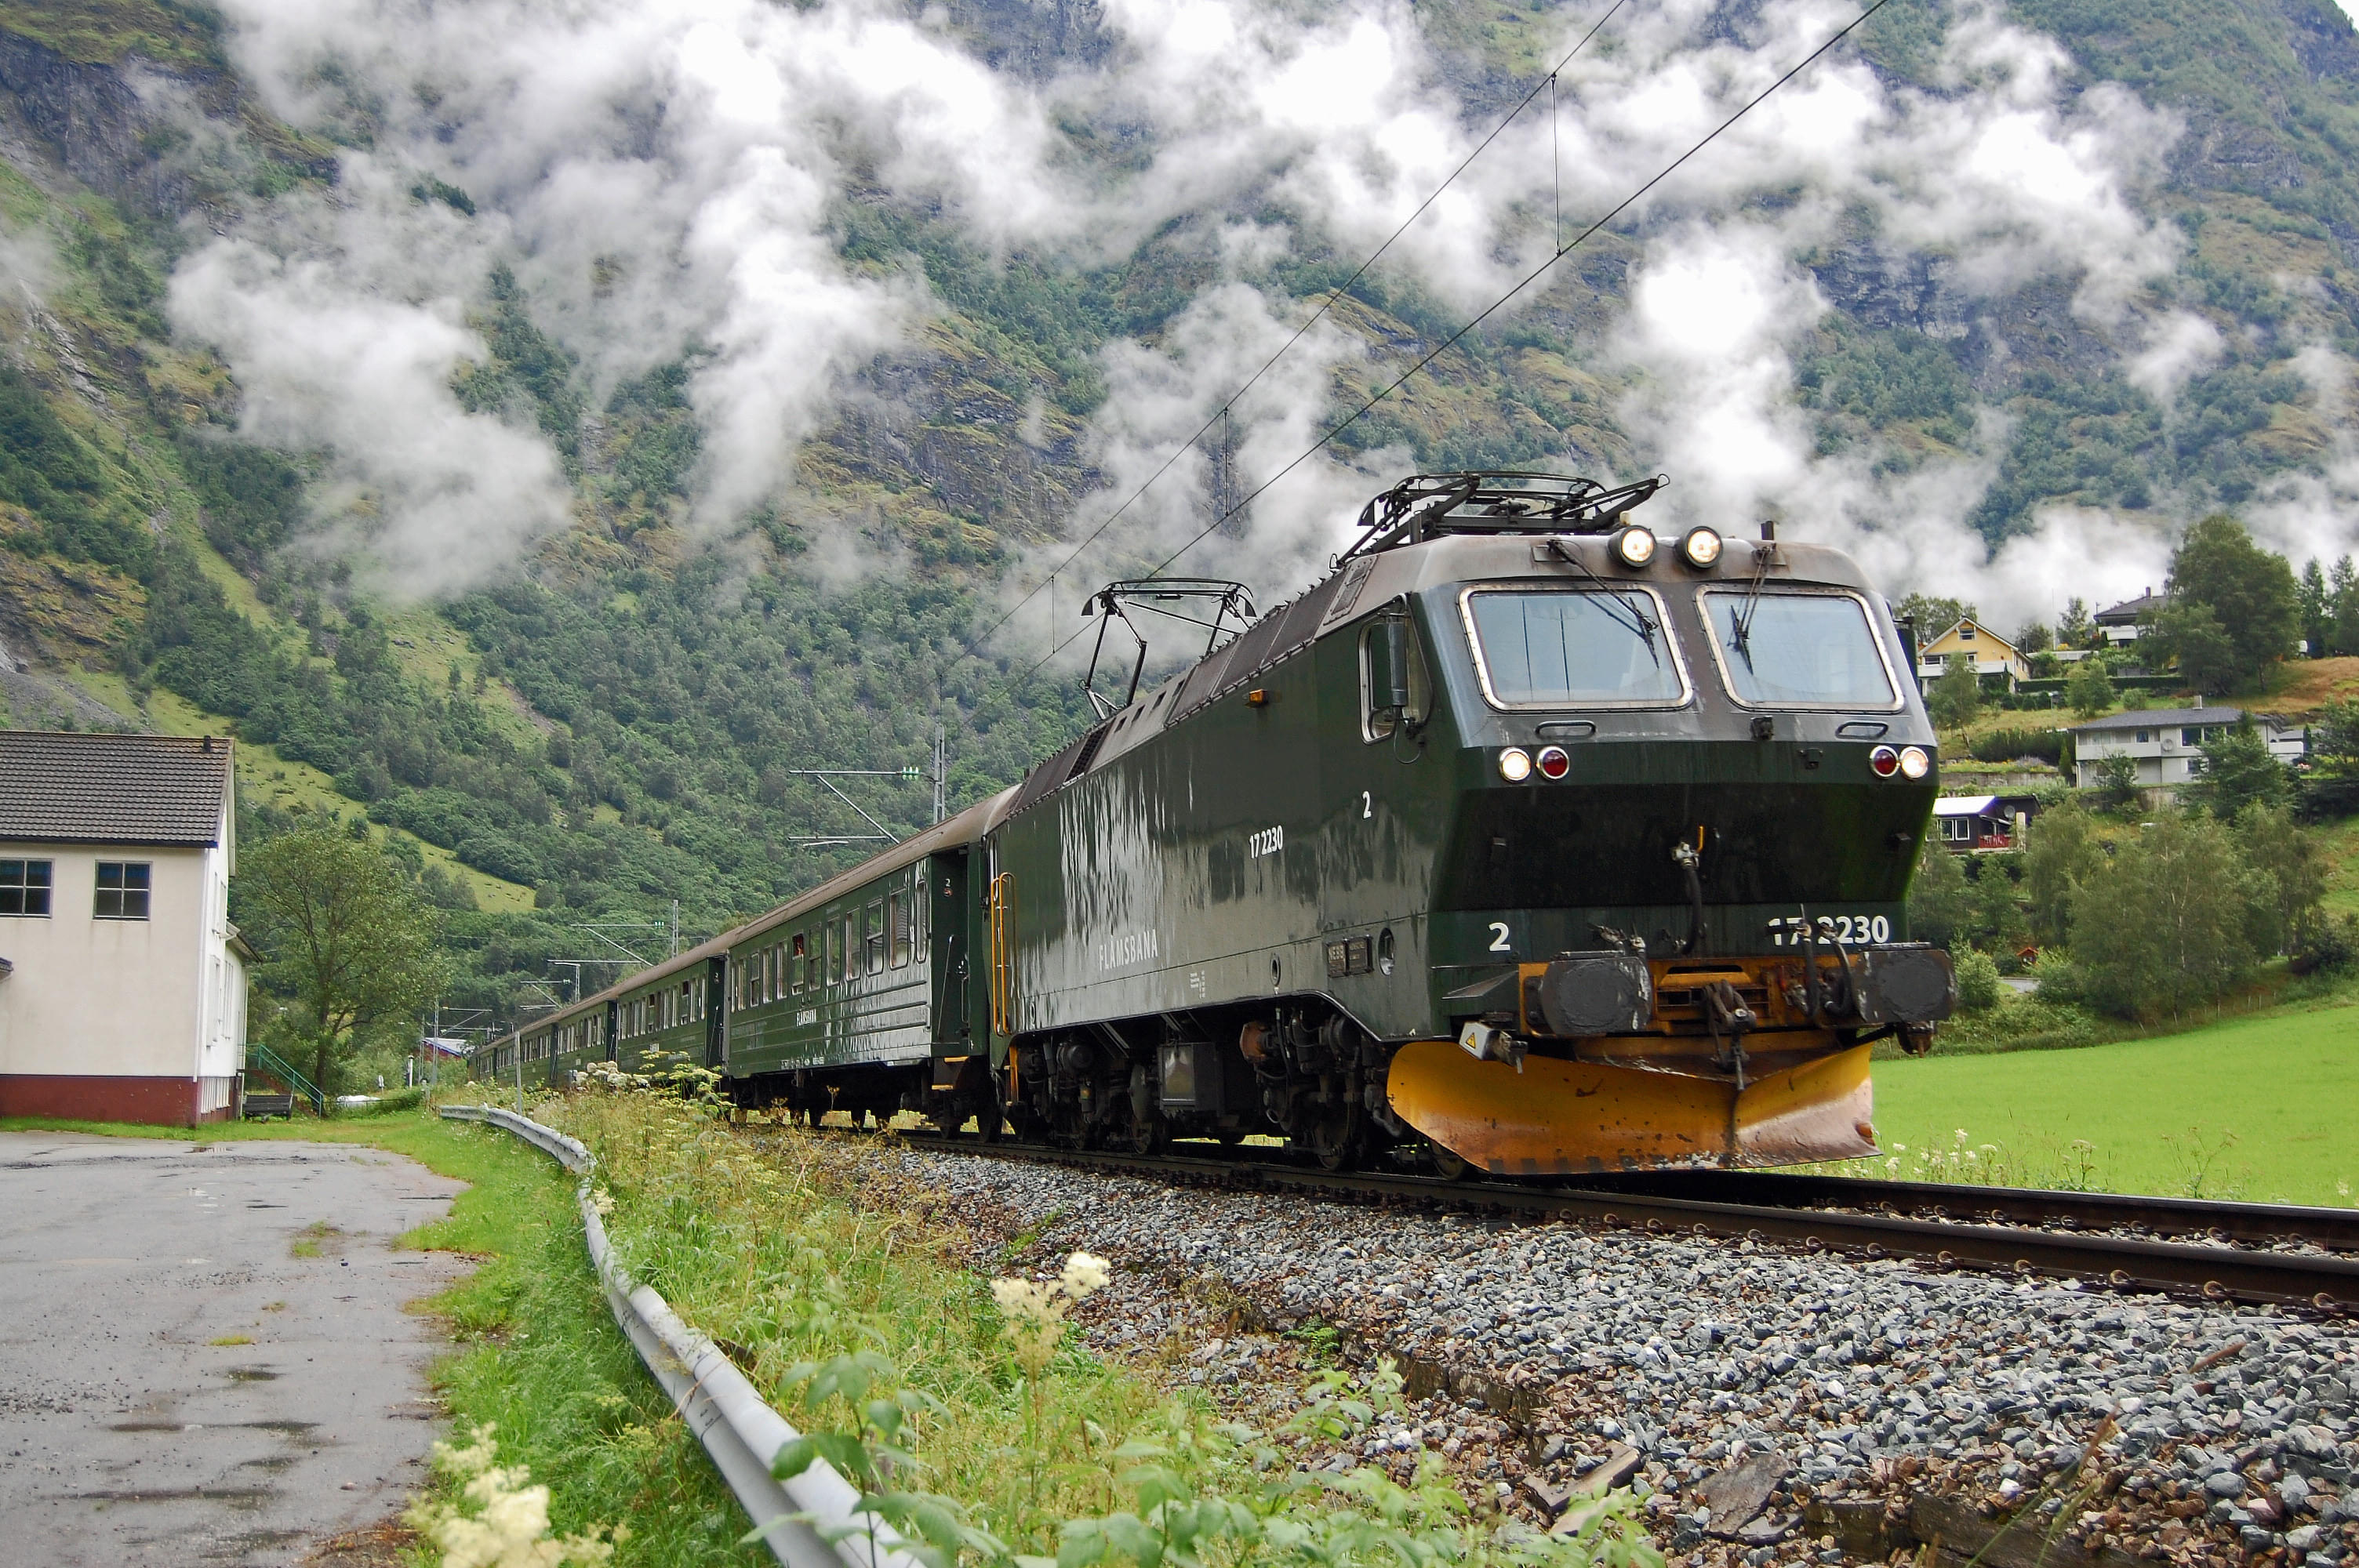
point(182, 1380)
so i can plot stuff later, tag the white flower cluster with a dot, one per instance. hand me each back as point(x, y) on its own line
point(510, 1528)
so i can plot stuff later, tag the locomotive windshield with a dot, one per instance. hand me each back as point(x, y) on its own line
point(1561, 648)
point(1801, 649)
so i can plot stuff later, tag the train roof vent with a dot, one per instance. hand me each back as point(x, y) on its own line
point(1428, 505)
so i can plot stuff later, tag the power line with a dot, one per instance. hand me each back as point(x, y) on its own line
point(1334, 297)
point(1529, 278)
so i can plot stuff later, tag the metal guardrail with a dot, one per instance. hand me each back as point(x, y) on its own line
point(739, 1430)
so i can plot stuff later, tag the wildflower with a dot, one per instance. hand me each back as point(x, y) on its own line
point(1084, 1274)
point(1035, 1309)
point(510, 1528)
point(602, 1200)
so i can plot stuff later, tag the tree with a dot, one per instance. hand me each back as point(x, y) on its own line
point(1957, 697)
point(2076, 629)
point(344, 936)
point(1933, 615)
point(2117, 782)
point(2250, 593)
point(2169, 927)
point(2342, 605)
point(2192, 634)
point(2278, 848)
point(2317, 610)
point(2238, 772)
point(1941, 903)
point(2089, 688)
point(2031, 637)
point(2062, 855)
point(1998, 920)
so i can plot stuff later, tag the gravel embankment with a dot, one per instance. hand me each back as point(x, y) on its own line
point(1822, 1398)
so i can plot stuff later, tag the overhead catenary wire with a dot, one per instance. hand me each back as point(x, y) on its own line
point(1334, 296)
point(1529, 278)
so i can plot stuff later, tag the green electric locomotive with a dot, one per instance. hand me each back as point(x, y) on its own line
point(1526, 838)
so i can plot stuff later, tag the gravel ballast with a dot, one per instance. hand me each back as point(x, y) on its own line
point(1844, 1407)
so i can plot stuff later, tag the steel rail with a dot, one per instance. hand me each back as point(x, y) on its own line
point(2260, 1223)
point(2323, 1281)
point(739, 1430)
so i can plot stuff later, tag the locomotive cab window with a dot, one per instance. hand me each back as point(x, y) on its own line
point(1788, 649)
point(1573, 648)
point(1394, 688)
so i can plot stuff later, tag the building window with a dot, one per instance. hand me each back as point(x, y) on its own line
point(2144, 736)
point(121, 890)
point(24, 887)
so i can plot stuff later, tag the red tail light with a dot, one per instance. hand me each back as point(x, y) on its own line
point(1885, 760)
point(1554, 763)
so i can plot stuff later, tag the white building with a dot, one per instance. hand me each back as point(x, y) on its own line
point(122, 981)
point(2119, 622)
point(2167, 742)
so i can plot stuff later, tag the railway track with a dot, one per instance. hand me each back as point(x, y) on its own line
point(2260, 1253)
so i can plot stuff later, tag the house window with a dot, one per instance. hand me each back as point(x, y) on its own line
point(1965, 633)
point(24, 887)
point(121, 890)
point(2144, 736)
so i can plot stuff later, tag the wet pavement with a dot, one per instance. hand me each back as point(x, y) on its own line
point(203, 1352)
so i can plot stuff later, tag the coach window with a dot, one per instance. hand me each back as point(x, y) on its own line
point(874, 944)
point(1393, 687)
point(851, 933)
point(897, 922)
point(121, 890)
point(24, 887)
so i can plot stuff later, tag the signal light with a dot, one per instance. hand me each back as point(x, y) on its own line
point(1701, 548)
point(1885, 760)
point(1634, 547)
point(1914, 762)
point(1554, 763)
point(1514, 764)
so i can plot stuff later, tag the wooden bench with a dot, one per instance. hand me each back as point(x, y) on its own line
point(261, 1108)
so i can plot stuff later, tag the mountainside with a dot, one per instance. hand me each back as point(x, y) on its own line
point(325, 412)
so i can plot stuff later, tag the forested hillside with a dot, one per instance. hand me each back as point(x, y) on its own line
point(608, 713)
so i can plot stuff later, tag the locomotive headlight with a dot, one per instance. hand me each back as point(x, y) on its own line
point(1914, 762)
point(1634, 547)
point(1555, 762)
point(1514, 764)
point(1701, 548)
point(1885, 760)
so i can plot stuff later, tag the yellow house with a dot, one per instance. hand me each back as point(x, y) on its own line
point(1990, 653)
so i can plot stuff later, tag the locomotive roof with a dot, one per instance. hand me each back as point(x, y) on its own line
point(1363, 583)
point(966, 827)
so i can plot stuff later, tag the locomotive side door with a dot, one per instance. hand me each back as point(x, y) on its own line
point(952, 956)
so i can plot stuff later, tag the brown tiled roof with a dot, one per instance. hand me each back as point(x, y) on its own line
point(111, 789)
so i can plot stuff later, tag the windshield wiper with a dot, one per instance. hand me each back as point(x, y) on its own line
point(1640, 624)
point(1740, 620)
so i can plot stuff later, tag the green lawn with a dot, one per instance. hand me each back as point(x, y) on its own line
point(2264, 1110)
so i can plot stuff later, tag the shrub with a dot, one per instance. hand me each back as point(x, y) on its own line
point(2006, 745)
point(1978, 982)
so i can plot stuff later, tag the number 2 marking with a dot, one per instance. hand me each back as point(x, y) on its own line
point(1367, 805)
point(1499, 937)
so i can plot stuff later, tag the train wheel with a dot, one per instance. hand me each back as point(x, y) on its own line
point(1146, 1136)
point(1448, 1164)
point(990, 1112)
point(1335, 1139)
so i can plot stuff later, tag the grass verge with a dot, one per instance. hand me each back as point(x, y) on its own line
point(2255, 1109)
point(535, 1349)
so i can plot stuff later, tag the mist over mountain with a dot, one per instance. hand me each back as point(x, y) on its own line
point(557, 424)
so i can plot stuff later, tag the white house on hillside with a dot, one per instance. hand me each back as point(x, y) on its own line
point(2165, 742)
point(122, 981)
point(2119, 622)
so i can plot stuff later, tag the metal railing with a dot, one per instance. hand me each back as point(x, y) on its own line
point(257, 1055)
point(739, 1430)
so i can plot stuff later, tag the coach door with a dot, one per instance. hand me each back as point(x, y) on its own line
point(950, 956)
point(716, 1014)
